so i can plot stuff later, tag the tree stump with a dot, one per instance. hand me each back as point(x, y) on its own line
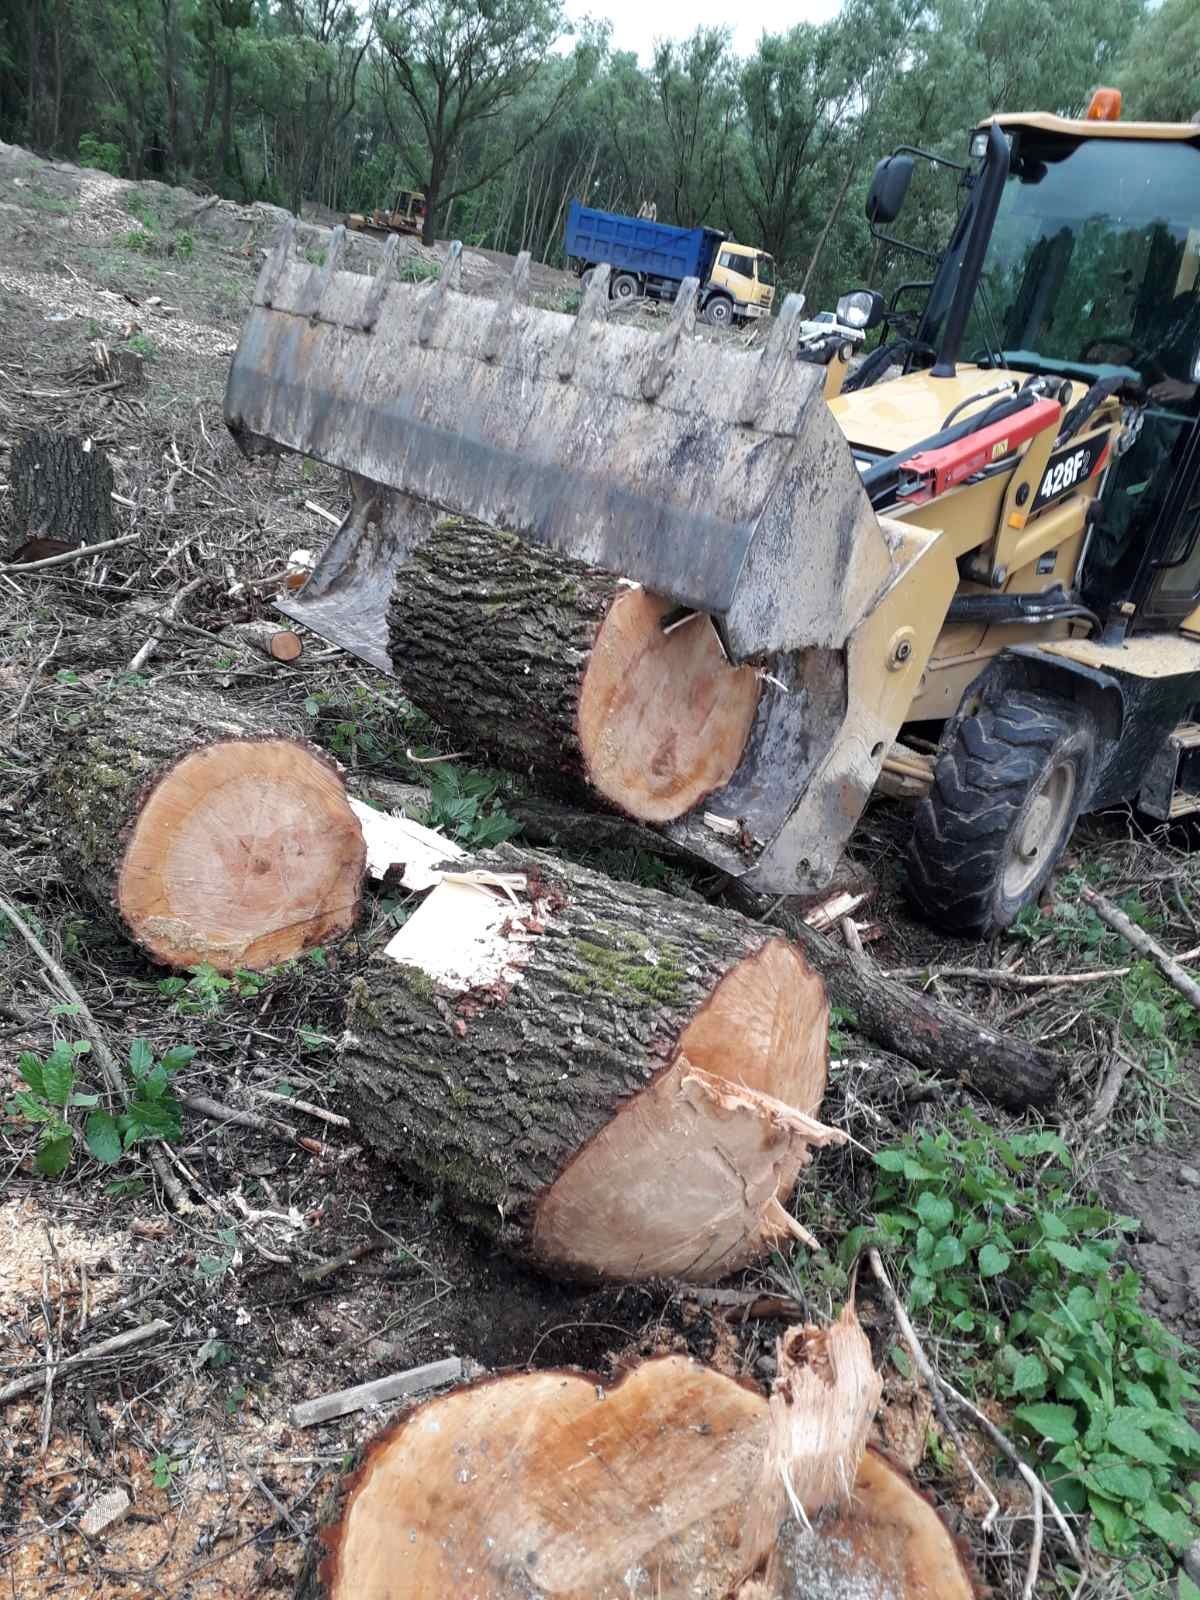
point(567, 674)
point(61, 490)
point(612, 1082)
point(212, 834)
point(673, 1483)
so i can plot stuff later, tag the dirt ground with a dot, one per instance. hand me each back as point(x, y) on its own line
point(258, 1308)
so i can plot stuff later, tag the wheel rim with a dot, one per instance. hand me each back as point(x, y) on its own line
point(1040, 827)
point(623, 289)
point(720, 312)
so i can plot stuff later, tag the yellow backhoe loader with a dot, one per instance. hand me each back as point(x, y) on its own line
point(407, 215)
point(995, 554)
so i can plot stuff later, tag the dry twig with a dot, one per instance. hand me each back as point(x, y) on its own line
point(1141, 941)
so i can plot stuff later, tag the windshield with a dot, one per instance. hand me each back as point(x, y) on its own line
point(1094, 260)
point(766, 270)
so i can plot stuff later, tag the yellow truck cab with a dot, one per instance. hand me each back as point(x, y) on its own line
point(747, 275)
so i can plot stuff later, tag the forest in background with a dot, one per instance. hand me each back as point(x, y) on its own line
point(500, 112)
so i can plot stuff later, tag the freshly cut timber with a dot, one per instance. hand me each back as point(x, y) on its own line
point(212, 834)
point(567, 673)
point(268, 638)
point(612, 1082)
point(669, 1485)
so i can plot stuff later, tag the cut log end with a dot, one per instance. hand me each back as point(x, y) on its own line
point(686, 1179)
point(244, 853)
point(887, 1543)
point(663, 716)
point(547, 1484)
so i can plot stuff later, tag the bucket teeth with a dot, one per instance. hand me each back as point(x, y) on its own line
point(682, 325)
point(591, 316)
point(777, 358)
point(513, 294)
point(384, 274)
point(450, 277)
point(275, 265)
point(323, 278)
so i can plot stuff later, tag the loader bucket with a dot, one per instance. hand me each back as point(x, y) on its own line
point(713, 475)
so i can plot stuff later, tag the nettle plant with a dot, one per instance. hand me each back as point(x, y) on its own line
point(151, 1111)
point(1002, 1258)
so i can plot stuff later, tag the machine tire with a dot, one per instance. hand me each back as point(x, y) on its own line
point(718, 313)
point(625, 287)
point(1007, 792)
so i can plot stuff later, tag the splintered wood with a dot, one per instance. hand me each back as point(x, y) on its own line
point(613, 1082)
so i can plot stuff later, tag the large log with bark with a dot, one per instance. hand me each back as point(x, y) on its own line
point(211, 833)
point(672, 1484)
point(61, 490)
point(936, 1037)
point(559, 671)
point(610, 1081)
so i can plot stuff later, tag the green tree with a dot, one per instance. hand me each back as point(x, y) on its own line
point(455, 66)
point(1161, 74)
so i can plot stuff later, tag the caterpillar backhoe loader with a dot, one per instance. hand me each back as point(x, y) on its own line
point(994, 555)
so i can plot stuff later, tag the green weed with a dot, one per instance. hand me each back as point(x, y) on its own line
point(101, 154)
point(415, 269)
point(151, 1112)
point(1010, 1263)
point(141, 346)
point(204, 994)
point(466, 805)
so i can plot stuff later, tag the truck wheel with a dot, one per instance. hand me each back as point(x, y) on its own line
point(1006, 795)
point(719, 311)
point(626, 287)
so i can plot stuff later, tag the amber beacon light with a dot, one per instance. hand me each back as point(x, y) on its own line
point(1104, 106)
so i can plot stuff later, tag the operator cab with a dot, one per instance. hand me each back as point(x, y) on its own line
point(1076, 255)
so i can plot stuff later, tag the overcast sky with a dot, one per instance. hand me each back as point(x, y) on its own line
point(636, 24)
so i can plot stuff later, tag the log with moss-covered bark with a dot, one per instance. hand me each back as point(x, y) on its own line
point(566, 674)
point(610, 1081)
point(212, 834)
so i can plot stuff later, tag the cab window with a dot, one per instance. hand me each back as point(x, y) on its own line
point(742, 265)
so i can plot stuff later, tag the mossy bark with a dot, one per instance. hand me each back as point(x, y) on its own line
point(486, 1096)
point(490, 636)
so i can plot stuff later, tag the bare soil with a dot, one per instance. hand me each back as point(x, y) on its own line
point(195, 1426)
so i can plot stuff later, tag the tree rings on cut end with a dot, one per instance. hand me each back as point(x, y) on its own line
point(663, 715)
point(688, 1177)
point(548, 1484)
point(244, 853)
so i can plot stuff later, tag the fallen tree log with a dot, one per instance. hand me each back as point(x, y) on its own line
point(609, 1081)
point(934, 1036)
point(672, 1483)
point(565, 673)
point(268, 638)
point(212, 834)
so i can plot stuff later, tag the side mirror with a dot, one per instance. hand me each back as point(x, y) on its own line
point(863, 309)
point(888, 188)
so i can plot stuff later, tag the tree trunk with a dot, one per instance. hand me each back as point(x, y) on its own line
point(62, 489)
point(938, 1038)
point(935, 1037)
point(675, 1482)
point(609, 1081)
point(565, 674)
point(211, 834)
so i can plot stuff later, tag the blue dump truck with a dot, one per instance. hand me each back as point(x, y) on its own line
point(651, 259)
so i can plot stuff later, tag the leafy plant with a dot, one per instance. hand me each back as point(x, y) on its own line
point(206, 991)
point(840, 1018)
point(49, 1095)
point(100, 153)
point(163, 1469)
point(141, 346)
point(151, 1112)
point(465, 804)
point(185, 245)
point(416, 269)
point(1008, 1260)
